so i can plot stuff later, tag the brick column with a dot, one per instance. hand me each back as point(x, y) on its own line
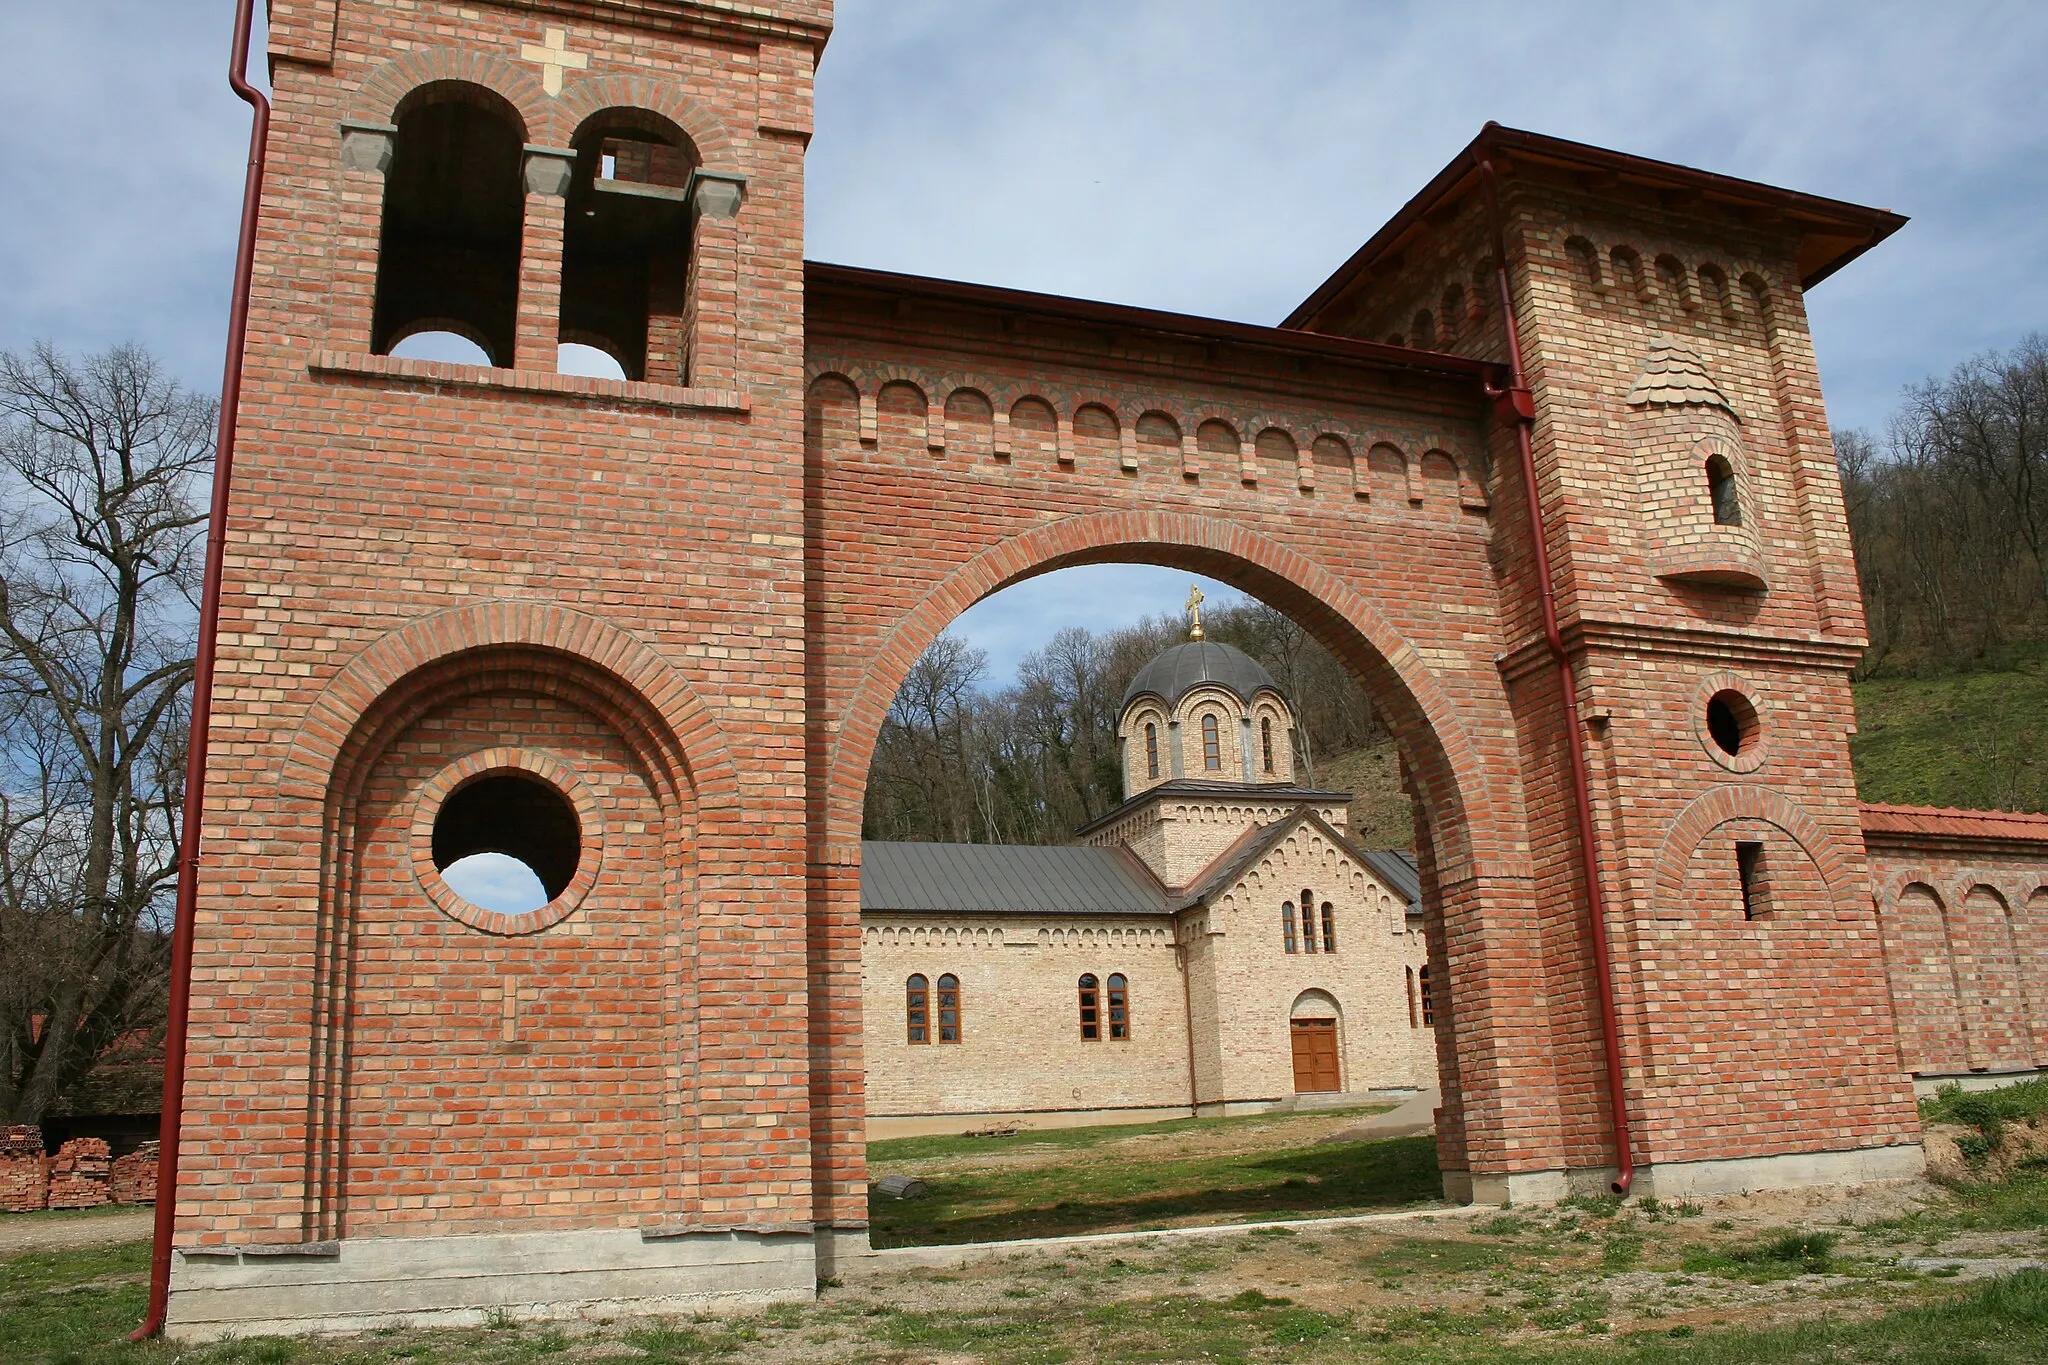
point(358, 224)
point(712, 321)
point(539, 328)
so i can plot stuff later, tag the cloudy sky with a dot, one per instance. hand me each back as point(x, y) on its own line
point(1216, 158)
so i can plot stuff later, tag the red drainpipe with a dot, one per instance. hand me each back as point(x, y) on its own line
point(1519, 404)
point(202, 693)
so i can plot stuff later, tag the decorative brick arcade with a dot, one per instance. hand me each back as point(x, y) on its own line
point(642, 633)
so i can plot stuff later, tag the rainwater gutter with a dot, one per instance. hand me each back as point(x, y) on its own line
point(1517, 404)
point(202, 692)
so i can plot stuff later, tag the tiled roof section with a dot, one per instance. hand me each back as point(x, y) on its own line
point(1181, 669)
point(1007, 879)
point(1396, 867)
point(1674, 376)
point(1202, 786)
point(1943, 822)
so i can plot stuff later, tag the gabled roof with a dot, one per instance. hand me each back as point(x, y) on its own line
point(1833, 233)
point(1202, 786)
point(1007, 879)
point(1397, 869)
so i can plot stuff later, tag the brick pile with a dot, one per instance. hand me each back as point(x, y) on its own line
point(78, 1174)
point(134, 1178)
point(24, 1170)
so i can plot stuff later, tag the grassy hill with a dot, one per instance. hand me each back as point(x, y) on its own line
point(1978, 740)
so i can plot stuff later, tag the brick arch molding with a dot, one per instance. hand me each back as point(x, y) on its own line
point(1210, 545)
point(1714, 808)
point(354, 691)
point(379, 96)
point(588, 95)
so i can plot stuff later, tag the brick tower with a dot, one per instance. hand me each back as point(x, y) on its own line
point(491, 607)
point(1709, 609)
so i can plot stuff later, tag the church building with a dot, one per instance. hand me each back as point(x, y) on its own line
point(1215, 944)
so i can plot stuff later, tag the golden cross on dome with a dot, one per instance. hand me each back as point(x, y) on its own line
point(1195, 600)
point(554, 57)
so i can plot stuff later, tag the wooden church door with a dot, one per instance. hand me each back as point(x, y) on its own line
point(1315, 1056)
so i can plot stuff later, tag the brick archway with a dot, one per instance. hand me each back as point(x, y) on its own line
point(1391, 667)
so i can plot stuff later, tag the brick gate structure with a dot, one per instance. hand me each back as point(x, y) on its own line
point(642, 632)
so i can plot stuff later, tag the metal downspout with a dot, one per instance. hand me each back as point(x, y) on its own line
point(202, 692)
point(1520, 405)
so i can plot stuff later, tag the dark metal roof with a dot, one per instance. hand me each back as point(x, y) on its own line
point(1396, 867)
point(1006, 878)
point(1180, 670)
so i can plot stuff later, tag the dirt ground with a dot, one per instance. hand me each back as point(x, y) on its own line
point(63, 1229)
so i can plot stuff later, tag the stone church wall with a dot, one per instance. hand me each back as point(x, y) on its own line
point(1021, 1048)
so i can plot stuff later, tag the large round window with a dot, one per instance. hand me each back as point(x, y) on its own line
point(506, 841)
point(508, 818)
point(1729, 722)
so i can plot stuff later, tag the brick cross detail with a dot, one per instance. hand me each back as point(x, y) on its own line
point(554, 57)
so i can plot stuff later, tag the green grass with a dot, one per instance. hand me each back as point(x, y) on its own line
point(1960, 739)
point(952, 1146)
point(1143, 1190)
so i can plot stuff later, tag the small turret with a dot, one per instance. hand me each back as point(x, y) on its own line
point(1207, 711)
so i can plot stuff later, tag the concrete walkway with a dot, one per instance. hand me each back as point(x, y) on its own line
point(1411, 1118)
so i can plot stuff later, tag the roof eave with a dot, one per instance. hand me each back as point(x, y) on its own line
point(1869, 225)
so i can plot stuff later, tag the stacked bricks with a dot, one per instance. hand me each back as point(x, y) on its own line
point(78, 1174)
point(24, 1170)
point(134, 1176)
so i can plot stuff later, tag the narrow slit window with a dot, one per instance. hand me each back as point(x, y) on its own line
point(1308, 920)
point(1287, 925)
point(1119, 1008)
point(917, 1008)
point(949, 1008)
point(1151, 749)
point(1721, 491)
point(1212, 744)
point(1329, 928)
point(1266, 740)
point(1413, 1020)
point(1091, 1013)
point(1749, 869)
point(1428, 1003)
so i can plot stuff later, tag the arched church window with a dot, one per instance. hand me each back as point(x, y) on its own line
point(1428, 1002)
point(1308, 920)
point(1212, 744)
point(1266, 740)
point(917, 1008)
point(1287, 924)
point(1091, 1014)
point(1329, 928)
point(949, 1008)
point(1151, 749)
point(1721, 489)
point(454, 214)
point(626, 243)
point(1119, 1007)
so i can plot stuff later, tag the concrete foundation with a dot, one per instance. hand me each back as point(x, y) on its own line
point(352, 1286)
point(1684, 1179)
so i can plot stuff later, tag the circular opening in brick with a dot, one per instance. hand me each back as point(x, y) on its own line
point(1731, 722)
point(516, 817)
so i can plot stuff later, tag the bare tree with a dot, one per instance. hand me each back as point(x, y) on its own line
point(103, 462)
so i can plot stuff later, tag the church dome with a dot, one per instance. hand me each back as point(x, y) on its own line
point(1181, 669)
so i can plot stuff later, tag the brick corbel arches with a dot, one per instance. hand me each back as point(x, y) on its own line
point(378, 97)
point(1460, 788)
point(1712, 809)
